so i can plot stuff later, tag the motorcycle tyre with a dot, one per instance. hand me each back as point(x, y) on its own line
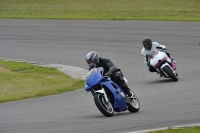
point(101, 106)
point(169, 72)
point(131, 108)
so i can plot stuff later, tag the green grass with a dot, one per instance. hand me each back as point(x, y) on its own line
point(168, 10)
point(195, 129)
point(20, 80)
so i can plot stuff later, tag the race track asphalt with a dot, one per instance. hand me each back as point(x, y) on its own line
point(164, 103)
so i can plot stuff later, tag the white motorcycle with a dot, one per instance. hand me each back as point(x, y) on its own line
point(164, 65)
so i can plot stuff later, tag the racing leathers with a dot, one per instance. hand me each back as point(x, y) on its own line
point(114, 73)
point(151, 53)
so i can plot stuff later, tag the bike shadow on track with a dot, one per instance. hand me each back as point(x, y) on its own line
point(116, 114)
point(161, 81)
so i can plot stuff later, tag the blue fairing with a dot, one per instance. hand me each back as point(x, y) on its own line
point(92, 80)
point(119, 101)
point(95, 77)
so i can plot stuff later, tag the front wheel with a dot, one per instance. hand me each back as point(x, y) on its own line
point(133, 104)
point(169, 72)
point(104, 107)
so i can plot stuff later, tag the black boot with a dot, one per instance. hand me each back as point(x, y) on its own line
point(127, 91)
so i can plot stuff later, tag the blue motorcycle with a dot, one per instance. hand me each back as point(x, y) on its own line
point(108, 96)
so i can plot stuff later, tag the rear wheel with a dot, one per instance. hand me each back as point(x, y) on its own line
point(169, 72)
point(104, 107)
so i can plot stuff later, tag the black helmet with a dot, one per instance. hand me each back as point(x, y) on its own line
point(147, 43)
point(92, 58)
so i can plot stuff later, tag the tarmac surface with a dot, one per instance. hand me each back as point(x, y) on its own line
point(63, 44)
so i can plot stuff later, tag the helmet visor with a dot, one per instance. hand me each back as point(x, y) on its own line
point(90, 63)
point(147, 46)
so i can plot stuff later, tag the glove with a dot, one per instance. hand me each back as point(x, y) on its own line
point(108, 74)
point(151, 69)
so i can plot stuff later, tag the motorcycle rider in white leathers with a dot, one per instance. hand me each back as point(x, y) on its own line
point(149, 50)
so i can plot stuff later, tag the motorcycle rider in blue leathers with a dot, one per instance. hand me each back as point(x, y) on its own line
point(93, 60)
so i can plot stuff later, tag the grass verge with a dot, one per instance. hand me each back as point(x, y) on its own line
point(194, 129)
point(172, 10)
point(19, 80)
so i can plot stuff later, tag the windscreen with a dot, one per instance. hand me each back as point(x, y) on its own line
point(94, 70)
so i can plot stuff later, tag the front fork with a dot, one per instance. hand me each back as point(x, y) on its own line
point(102, 91)
point(171, 67)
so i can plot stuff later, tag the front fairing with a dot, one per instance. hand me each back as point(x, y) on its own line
point(93, 80)
point(94, 76)
point(157, 58)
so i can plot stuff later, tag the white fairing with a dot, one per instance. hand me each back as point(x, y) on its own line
point(160, 55)
point(157, 57)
